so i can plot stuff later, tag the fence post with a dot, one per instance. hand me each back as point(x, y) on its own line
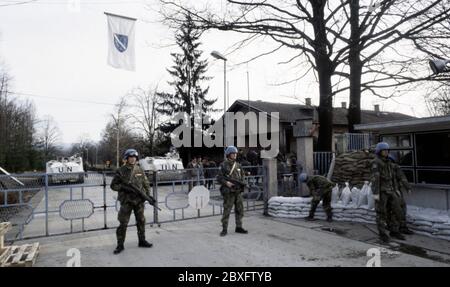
point(46, 203)
point(104, 201)
point(270, 181)
point(155, 196)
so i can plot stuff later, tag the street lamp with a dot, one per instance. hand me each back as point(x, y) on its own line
point(219, 56)
point(439, 66)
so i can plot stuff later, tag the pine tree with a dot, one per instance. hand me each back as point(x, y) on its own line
point(188, 73)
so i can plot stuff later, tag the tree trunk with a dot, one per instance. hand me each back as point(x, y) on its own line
point(324, 71)
point(354, 110)
point(325, 110)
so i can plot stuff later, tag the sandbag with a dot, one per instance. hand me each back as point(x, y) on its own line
point(346, 195)
point(355, 196)
point(335, 194)
point(362, 200)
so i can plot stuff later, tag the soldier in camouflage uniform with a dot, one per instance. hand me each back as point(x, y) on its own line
point(320, 188)
point(403, 186)
point(387, 204)
point(231, 192)
point(130, 173)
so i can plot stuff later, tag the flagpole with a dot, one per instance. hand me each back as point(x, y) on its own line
point(120, 16)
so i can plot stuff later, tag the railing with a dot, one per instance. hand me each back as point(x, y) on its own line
point(353, 141)
point(322, 162)
point(56, 204)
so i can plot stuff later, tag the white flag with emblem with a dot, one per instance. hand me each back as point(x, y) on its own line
point(121, 53)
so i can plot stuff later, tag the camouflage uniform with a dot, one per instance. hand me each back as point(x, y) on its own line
point(320, 188)
point(231, 196)
point(402, 185)
point(384, 184)
point(129, 202)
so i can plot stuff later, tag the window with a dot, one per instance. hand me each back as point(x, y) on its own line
point(398, 141)
point(433, 149)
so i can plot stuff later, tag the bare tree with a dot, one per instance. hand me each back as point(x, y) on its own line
point(145, 116)
point(439, 105)
point(119, 119)
point(49, 136)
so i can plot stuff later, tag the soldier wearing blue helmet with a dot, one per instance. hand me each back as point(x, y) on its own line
point(387, 204)
point(130, 173)
point(231, 192)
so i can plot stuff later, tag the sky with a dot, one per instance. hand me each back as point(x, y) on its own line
point(57, 56)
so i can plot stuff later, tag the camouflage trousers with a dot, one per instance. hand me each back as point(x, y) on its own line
point(124, 217)
point(401, 214)
point(230, 199)
point(388, 212)
point(325, 196)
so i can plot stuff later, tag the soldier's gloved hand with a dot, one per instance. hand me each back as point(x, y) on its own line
point(229, 184)
point(376, 197)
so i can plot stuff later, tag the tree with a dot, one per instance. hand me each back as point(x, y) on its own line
point(304, 26)
point(145, 116)
point(188, 73)
point(391, 26)
point(48, 137)
point(119, 119)
point(17, 129)
point(439, 105)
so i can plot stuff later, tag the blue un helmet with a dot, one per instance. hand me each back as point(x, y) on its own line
point(303, 177)
point(231, 149)
point(380, 147)
point(130, 152)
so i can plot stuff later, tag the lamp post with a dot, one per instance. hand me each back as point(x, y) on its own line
point(219, 56)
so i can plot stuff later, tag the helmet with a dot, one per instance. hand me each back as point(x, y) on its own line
point(130, 152)
point(231, 149)
point(303, 177)
point(381, 146)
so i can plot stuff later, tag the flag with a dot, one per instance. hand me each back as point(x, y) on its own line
point(121, 52)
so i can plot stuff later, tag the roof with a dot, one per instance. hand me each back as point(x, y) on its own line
point(293, 112)
point(408, 125)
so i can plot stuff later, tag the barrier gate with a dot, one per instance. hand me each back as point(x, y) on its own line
point(40, 205)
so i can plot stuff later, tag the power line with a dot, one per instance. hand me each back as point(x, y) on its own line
point(61, 99)
point(15, 3)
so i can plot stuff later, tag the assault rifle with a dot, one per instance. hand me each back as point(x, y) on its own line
point(130, 188)
point(237, 183)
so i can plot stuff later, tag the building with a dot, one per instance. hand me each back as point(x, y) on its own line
point(290, 113)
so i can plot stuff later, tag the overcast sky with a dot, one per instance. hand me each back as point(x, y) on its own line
point(59, 55)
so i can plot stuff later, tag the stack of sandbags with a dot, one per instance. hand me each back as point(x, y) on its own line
point(426, 221)
point(352, 167)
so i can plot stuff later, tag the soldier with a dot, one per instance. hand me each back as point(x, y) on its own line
point(130, 173)
point(320, 188)
point(386, 198)
point(231, 192)
point(402, 185)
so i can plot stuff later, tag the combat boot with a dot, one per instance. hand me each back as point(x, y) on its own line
point(144, 243)
point(329, 217)
point(384, 238)
point(397, 235)
point(119, 248)
point(224, 232)
point(240, 230)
